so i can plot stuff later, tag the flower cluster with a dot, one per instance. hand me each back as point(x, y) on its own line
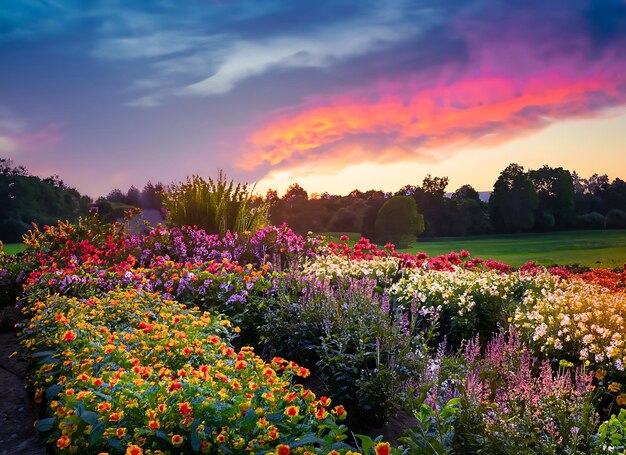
point(461, 302)
point(383, 269)
point(574, 319)
point(133, 372)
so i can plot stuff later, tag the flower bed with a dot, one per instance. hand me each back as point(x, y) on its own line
point(132, 372)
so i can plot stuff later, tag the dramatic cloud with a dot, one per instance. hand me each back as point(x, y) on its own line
point(509, 83)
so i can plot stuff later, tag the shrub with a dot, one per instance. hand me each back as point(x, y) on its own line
point(216, 206)
point(592, 220)
point(398, 222)
point(616, 219)
point(360, 344)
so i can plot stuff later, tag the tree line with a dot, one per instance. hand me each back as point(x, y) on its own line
point(538, 200)
point(543, 199)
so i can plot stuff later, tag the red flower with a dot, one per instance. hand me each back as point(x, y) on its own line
point(69, 335)
point(382, 448)
point(63, 442)
point(282, 449)
point(184, 408)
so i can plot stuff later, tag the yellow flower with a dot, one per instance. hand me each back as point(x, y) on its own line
point(614, 386)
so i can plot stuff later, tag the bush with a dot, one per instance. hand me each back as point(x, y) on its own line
point(398, 222)
point(592, 220)
point(616, 219)
point(215, 206)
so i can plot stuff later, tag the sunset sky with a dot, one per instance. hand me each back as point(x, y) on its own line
point(335, 95)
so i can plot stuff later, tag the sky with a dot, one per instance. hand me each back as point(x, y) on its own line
point(335, 95)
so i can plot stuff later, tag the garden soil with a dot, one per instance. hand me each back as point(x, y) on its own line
point(18, 411)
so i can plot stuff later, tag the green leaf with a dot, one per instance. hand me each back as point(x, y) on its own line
point(90, 417)
point(306, 440)
point(366, 443)
point(53, 391)
point(96, 433)
point(45, 424)
point(115, 443)
point(195, 438)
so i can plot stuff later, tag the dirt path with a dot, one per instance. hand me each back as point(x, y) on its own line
point(17, 409)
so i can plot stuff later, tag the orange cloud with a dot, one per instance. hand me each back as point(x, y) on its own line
point(406, 121)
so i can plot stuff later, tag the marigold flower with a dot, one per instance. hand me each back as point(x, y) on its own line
point(292, 411)
point(321, 413)
point(63, 442)
point(154, 425)
point(282, 449)
point(185, 409)
point(177, 440)
point(614, 386)
point(382, 448)
point(69, 335)
point(600, 374)
point(104, 407)
point(340, 412)
point(134, 450)
point(325, 401)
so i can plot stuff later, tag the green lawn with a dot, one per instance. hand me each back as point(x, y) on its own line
point(13, 248)
point(587, 248)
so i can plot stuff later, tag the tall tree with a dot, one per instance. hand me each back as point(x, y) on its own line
point(556, 197)
point(513, 201)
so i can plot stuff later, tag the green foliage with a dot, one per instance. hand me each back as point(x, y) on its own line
point(434, 431)
point(398, 222)
point(616, 219)
point(513, 201)
point(363, 355)
point(216, 206)
point(26, 199)
point(612, 434)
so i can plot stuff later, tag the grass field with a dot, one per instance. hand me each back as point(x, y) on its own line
point(13, 248)
point(588, 248)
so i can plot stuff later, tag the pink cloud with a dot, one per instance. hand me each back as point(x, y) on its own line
point(42, 139)
point(510, 87)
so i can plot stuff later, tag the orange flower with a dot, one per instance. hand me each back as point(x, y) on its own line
point(185, 409)
point(282, 449)
point(321, 413)
point(63, 442)
point(69, 335)
point(600, 374)
point(340, 412)
point(268, 373)
point(134, 450)
point(614, 386)
point(240, 364)
point(621, 399)
point(382, 448)
point(292, 411)
point(177, 440)
point(115, 417)
point(70, 392)
point(291, 396)
point(120, 432)
point(154, 425)
point(325, 401)
point(104, 407)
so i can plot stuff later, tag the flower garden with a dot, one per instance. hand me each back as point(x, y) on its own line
point(177, 341)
